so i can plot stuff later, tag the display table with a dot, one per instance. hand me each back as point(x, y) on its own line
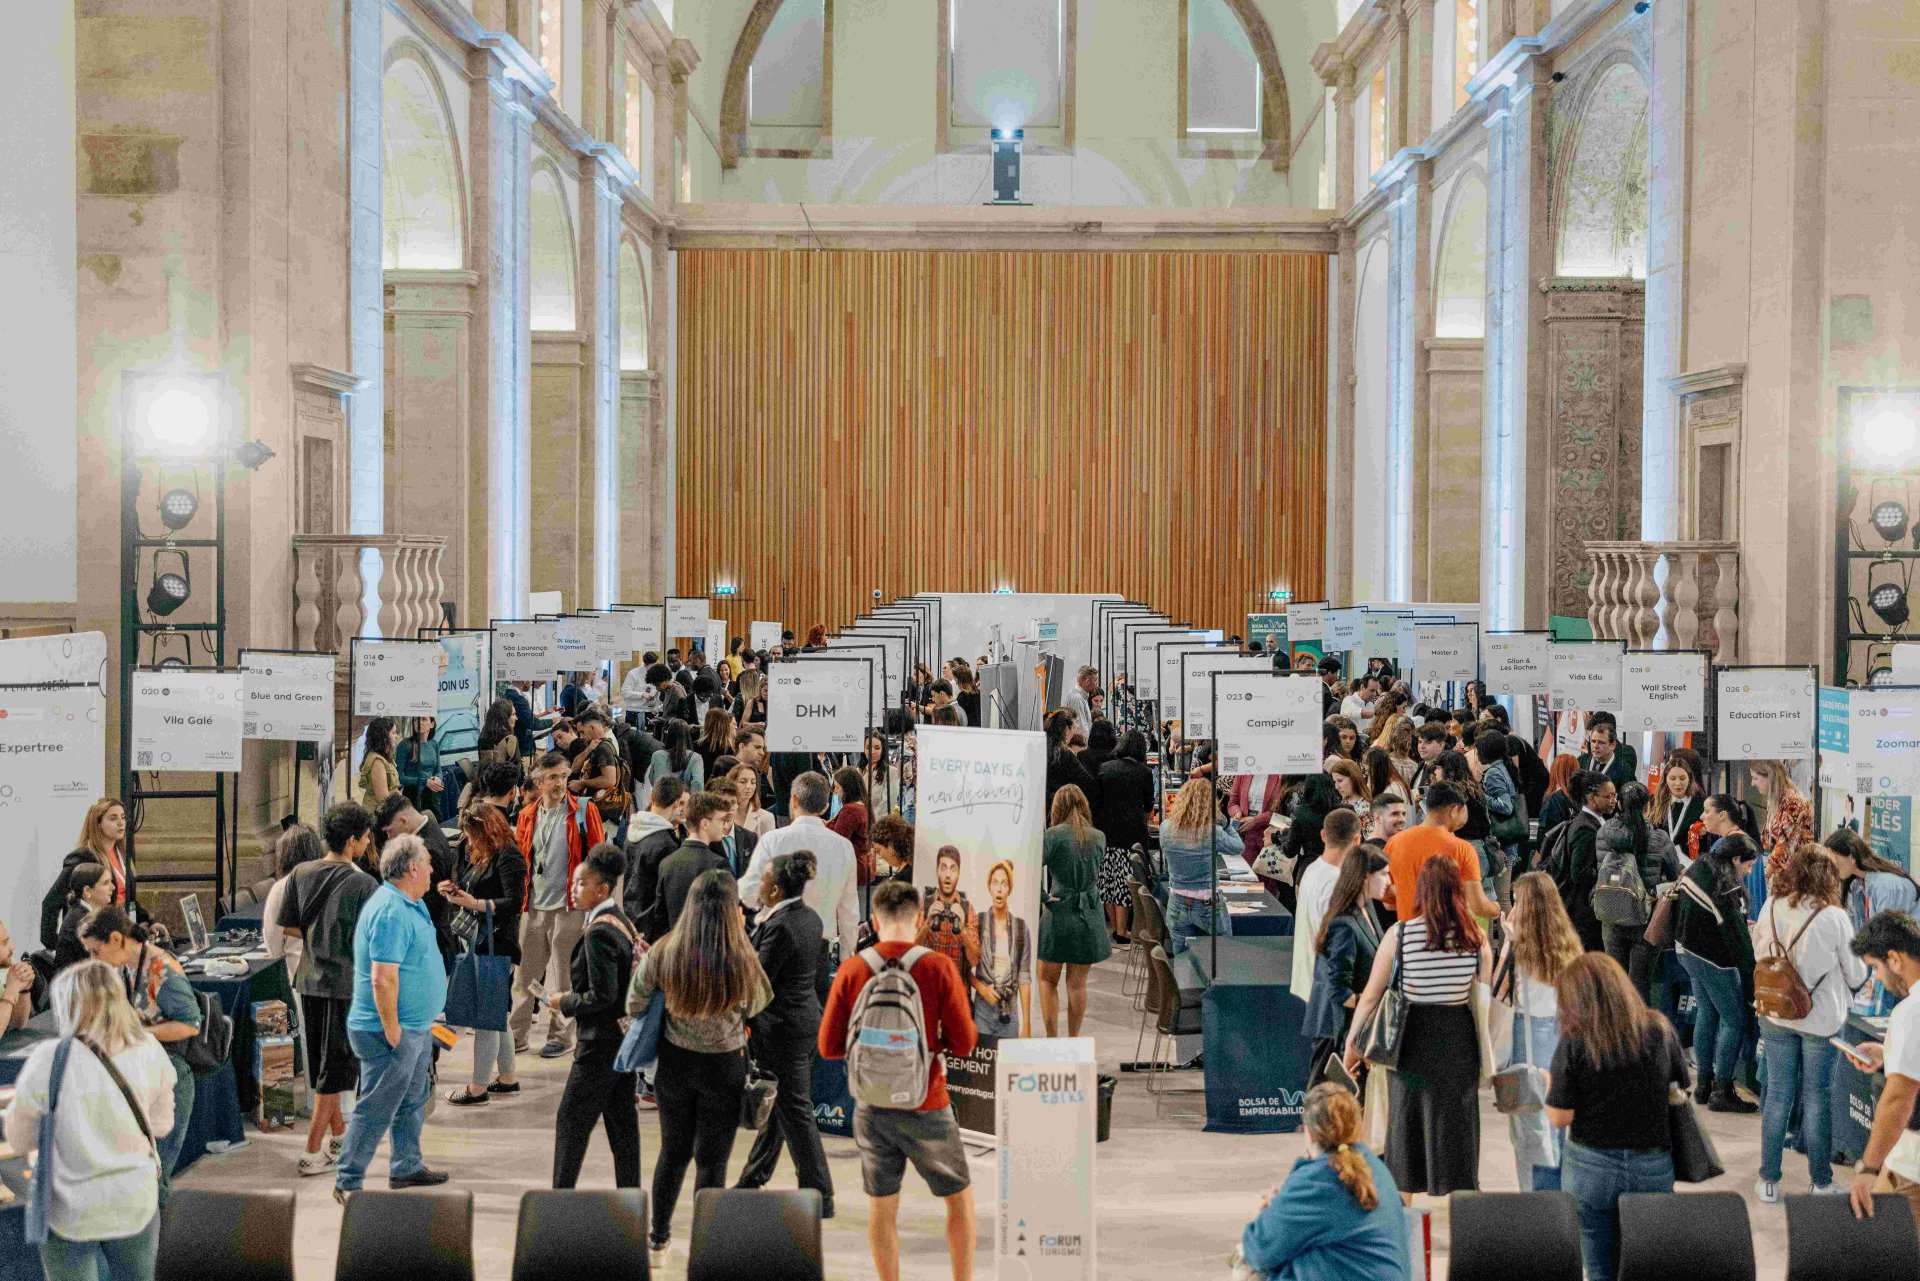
point(223, 1099)
point(1855, 1093)
point(17, 1044)
point(1268, 920)
point(1256, 1060)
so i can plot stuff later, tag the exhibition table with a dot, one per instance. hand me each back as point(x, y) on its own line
point(1256, 1060)
point(1855, 1093)
point(245, 917)
point(223, 1099)
point(1266, 920)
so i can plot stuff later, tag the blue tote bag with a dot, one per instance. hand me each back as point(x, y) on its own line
point(480, 990)
point(640, 1047)
point(41, 1190)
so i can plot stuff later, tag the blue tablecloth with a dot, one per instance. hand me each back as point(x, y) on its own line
point(1256, 1059)
point(18, 1261)
point(1270, 921)
point(222, 1099)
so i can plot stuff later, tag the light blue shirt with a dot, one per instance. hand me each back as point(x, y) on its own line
point(396, 930)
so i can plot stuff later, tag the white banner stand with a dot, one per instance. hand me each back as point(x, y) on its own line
point(762, 635)
point(821, 705)
point(1047, 1092)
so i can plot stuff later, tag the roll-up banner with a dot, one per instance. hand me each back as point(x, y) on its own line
point(1584, 676)
point(524, 649)
point(1307, 621)
point(977, 861)
point(1764, 713)
point(1345, 630)
point(1664, 690)
point(465, 691)
point(1515, 663)
point(686, 618)
point(1268, 633)
point(53, 753)
point(820, 705)
point(646, 628)
point(1197, 668)
point(1143, 656)
point(1047, 1091)
point(1166, 668)
point(188, 719)
point(763, 635)
point(874, 650)
point(394, 677)
point(1265, 722)
point(288, 696)
point(75, 658)
point(1870, 740)
point(716, 639)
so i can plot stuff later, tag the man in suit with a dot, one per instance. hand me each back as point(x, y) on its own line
point(601, 964)
point(709, 819)
point(654, 834)
point(1605, 753)
point(1329, 677)
point(1579, 864)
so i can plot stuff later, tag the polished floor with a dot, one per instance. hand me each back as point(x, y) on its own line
point(1173, 1200)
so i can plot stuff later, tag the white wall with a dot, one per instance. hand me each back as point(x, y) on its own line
point(967, 619)
point(1370, 399)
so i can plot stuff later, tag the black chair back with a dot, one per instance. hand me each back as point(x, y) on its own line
point(420, 1234)
point(226, 1236)
point(575, 1234)
point(758, 1233)
point(1826, 1243)
point(1486, 1245)
point(1699, 1236)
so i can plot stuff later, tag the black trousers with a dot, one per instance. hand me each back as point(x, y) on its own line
point(1627, 944)
point(699, 1099)
point(596, 1092)
point(790, 1059)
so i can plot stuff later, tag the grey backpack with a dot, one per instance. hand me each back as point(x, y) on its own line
point(889, 1062)
point(1619, 893)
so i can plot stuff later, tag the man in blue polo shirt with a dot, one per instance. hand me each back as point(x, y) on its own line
point(399, 988)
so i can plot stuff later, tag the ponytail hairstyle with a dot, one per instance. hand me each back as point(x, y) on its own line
point(1739, 811)
point(1333, 1123)
point(791, 872)
point(103, 923)
point(82, 878)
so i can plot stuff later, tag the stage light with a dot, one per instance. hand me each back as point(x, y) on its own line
point(170, 589)
point(178, 418)
point(1006, 166)
point(252, 454)
point(177, 508)
point(1890, 520)
point(1888, 600)
point(1886, 435)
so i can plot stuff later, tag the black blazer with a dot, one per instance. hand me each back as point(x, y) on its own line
point(677, 874)
point(502, 882)
point(54, 905)
point(641, 885)
point(744, 841)
point(792, 953)
point(1064, 767)
point(601, 965)
point(1123, 802)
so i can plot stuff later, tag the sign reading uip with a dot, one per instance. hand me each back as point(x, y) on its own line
point(1046, 1093)
point(1584, 676)
point(821, 705)
point(1663, 691)
point(396, 678)
point(1765, 713)
point(1267, 724)
point(187, 720)
point(288, 696)
point(1516, 662)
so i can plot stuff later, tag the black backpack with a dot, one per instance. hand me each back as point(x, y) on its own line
point(211, 1046)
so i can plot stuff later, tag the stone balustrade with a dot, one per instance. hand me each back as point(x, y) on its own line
point(1675, 595)
point(332, 575)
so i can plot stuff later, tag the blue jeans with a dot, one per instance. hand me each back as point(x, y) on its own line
point(1187, 917)
point(169, 1146)
point(123, 1259)
point(1597, 1177)
point(1719, 1018)
point(394, 1081)
point(1803, 1065)
point(1534, 1136)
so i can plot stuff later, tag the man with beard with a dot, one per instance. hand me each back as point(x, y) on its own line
point(948, 923)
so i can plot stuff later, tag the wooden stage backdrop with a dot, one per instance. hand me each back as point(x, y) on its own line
point(1151, 424)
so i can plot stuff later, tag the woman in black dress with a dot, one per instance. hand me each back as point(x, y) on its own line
point(1122, 805)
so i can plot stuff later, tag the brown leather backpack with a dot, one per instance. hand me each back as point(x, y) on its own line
point(1778, 990)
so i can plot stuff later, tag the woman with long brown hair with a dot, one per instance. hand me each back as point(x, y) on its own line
point(1193, 840)
point(1073, 935)
point(1612, 1079)
point(1869, 885)
point(490, 880)
point(711, 983)
point(1338, 1214)
point(1541, 943)
point(103, 839)
point(1678, 795)
point(1433, 1138)
point(743, 784)
point(716, 738)
point(1789, 818)
point(1343, 952)
point(1351, 784)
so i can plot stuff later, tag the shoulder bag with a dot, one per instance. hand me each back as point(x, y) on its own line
point(756, 1099)
point(480, 989)
point(1520, 1088)
point(1694, 1157)
point(640, 1047)
point(1380, 1043)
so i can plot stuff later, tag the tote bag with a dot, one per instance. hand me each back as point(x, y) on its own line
point(480, 989)
point(640, 1047)
point(1694, 1158)
point(40, 1192)
point(1520, 1089)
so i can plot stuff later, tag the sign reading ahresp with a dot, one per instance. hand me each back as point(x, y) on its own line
point(822, 705)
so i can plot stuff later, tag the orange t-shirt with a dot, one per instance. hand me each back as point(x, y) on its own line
point(1409, 851)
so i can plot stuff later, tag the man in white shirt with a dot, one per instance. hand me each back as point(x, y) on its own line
point(1890, 945)
point(1358, 706)
point(832, 891)
point(1079, 699)
point(1314, 891)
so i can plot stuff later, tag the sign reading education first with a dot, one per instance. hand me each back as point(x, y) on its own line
point(821, 705)
point(1765, 713)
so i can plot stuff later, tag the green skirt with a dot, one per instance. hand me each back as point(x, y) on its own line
point(1074, 931)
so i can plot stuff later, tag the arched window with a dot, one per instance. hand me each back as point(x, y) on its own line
point(1602, 204)
point(778, 97)
point(551, 252)
point(1221, 74)
point(1460, 268)
point(633, 308)
point(422, 197)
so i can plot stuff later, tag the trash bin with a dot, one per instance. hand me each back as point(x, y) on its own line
point(1103, 1129)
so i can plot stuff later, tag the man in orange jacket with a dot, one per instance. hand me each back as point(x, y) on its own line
point(554, 834)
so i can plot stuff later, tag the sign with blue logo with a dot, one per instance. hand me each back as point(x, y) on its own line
point(1046, 1093)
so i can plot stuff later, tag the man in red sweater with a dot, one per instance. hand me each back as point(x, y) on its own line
point(928, 1136)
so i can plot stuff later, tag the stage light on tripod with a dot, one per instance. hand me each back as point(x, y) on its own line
point(177, 508)
point(170, 588)
point(1889, 603)
point(1886, 434)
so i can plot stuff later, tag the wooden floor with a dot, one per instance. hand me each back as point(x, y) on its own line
point(1172, 1199)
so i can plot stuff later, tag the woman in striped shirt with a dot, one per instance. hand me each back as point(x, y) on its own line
point(1433, 1136)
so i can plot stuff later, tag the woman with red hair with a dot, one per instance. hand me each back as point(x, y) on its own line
point(1558, 806)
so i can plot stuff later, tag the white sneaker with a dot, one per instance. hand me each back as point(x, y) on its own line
point(321, 1162)
point(1769, 1193)
point(1836, 1188)
point(336, 1144)
point(656, 1254)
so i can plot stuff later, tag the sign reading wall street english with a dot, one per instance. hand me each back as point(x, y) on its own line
point(1345, 630)
point(1046, 1092)
point(762, 635)
point(525, 651)
point(819, 706)
point(1195, 710)
point(686, 618)
point(1584, 676)
point(1446, 651)
point(1307, 620)
point(395, 678)
point(1267, 724)
point(1516, 662)
point(1663, 691)
point(188, 720)
point(288, 696)
point(1765, 713)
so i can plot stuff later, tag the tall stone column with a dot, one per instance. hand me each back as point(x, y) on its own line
point(429, 382)
point(1407, 310)
point(562, 430)
point(642, 505)
point(1339, 77)
point(1448, 508)
point(604, 176)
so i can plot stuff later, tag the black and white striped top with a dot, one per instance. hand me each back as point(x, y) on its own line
point(1433, 977)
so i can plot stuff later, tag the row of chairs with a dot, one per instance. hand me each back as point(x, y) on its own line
point(427, 1235)
point(1698, 1236)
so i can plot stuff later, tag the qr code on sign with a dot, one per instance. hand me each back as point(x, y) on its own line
point(143, 760)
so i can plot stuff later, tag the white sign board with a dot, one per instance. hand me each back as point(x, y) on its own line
point(78, 658)
point(1267, 724)
point(545, 603)
point(1380, 636)
point(288, 696)
point(396, 678)
point(1344, 629)
point(762, 635)
point(1166, 671)
point(1046, 1095)
point(1884, 740)
point(646, 628)
point(53, 752)
point(573, 642)
point(1446, 651)
point(525, 651)
point(1195, 708)
point(607, 636)
point(1515, 663)
point(1765, 713)
point(1584, 676)
point(1144, 664)
point(875, 649)
point(1666, 692)
point(819, 706)
point(1306, 620)
point(1906, 663)
point(686, 618)
point(716, 636)
point(187, 720)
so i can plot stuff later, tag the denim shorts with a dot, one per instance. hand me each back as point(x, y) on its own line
point(891, 1137)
